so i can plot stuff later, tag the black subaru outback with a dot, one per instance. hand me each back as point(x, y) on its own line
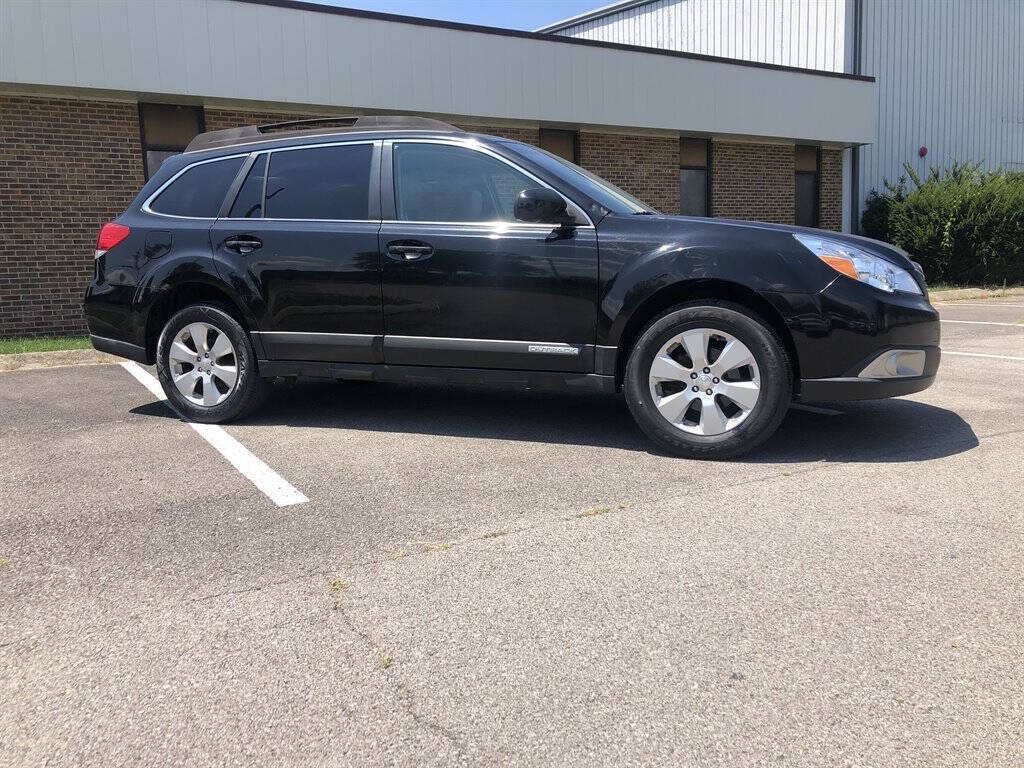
point(400, 249)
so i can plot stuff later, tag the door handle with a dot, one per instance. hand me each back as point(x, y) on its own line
point(409, 250)
point(243, 244)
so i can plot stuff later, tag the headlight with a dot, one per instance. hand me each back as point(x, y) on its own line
point(860, 264)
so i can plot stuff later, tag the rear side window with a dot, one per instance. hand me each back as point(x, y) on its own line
point(320, 183)
point(249, 203)
point(199, 191)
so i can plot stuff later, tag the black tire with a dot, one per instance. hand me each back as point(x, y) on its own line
point(249, 390)
point(769, 353)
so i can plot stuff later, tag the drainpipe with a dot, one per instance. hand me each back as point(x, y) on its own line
point(855, 154)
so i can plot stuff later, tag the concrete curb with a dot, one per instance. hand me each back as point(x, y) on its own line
point(56, 359)
point(963, 294)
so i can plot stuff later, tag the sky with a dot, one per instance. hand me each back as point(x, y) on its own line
point(510, 14)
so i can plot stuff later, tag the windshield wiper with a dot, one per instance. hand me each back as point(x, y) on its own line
point(644, 213)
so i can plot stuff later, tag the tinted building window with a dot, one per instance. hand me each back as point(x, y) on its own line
point(805, 192)
point(565, 144)
point(249, 203)
point(200, 190)
point(694, 177)
point(442, 183)
point(165, 130)
point(320, 183)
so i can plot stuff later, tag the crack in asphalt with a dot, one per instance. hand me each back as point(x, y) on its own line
point(403, 690)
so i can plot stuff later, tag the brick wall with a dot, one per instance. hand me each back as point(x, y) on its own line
point(645, 166)
point(752, 181)
point(830, 196)
point(66, 167)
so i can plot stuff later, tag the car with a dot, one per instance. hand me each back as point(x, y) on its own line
point(404, 249)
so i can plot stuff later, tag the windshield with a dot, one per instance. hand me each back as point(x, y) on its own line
point(604, 193)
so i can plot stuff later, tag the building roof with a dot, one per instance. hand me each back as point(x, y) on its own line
point(597, 13)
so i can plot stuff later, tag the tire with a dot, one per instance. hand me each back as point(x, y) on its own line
point(718, 427)
point(206, 393)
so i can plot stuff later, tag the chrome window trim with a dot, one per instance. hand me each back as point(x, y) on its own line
point(474, 145)
point(492, 224)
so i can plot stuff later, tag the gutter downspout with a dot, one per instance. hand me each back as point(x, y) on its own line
point(858, 18)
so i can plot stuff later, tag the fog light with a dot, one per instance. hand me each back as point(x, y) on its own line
point(895, 364)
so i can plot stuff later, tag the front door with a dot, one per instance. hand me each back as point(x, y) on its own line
point(463, 283)
point(303, 232)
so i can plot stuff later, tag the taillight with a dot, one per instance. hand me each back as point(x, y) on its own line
point(110, 235)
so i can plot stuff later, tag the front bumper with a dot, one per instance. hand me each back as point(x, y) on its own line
point(841, 332)
point(859, 386)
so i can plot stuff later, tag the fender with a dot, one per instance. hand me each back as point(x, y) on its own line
point(639, 260)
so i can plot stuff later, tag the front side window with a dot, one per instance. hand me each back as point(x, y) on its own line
point(320, 183)
point(436, 182)
point(199, 192)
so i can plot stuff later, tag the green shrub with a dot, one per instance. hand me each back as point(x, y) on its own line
point(963, 225)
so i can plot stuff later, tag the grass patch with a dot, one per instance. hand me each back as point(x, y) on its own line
point(43, 344)
point(384, 659)
point(940, 287)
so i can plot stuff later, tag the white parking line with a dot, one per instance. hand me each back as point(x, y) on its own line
point(276, 488)
point(979, 354)
point(983, 322)
point(815, 409)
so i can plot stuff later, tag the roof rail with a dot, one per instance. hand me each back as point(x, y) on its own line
point(248, 133)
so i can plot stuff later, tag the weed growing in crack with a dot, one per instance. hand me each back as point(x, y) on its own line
point(591, 513)
point(338, 587)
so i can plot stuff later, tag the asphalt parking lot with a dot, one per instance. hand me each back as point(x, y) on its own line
point(484, 577)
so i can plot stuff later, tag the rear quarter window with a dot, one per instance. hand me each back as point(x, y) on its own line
point(199, 191)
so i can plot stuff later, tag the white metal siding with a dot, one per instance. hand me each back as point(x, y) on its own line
point(950, 78)
point(219, 49)
point(796, 33)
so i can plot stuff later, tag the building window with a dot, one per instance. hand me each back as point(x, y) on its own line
point(806, 162)
point(165, 130)
point(694, 177)
point(565, 144)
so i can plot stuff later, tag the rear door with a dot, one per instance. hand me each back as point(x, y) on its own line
point(302, 232)
point(466, 285)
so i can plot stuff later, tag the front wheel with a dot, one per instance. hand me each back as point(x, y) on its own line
point(708, 380)
point(207, 365)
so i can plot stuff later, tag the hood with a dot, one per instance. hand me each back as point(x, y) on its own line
point(887, 251)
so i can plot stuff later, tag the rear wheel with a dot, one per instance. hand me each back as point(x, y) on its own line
point(207, 365)
point(708, 380)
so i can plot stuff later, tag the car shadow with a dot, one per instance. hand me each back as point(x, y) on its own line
point(868, 431)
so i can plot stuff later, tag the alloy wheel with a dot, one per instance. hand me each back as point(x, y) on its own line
point(203, 363)
point(704, 381)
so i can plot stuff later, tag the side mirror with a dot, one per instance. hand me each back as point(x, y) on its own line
point(540, 205)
